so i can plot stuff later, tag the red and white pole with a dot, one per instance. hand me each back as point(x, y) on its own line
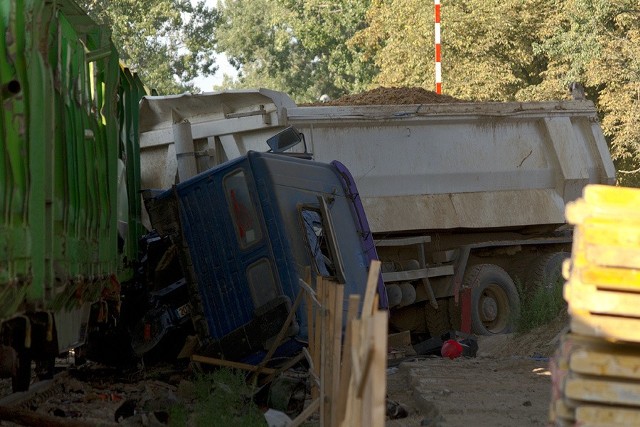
point(437, 42)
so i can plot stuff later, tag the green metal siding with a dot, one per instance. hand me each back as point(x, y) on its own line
point(63, 133)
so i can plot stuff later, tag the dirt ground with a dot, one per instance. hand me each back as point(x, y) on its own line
point(507, 384)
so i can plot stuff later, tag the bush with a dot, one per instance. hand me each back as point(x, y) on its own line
point(540, 306)
point(222, 399)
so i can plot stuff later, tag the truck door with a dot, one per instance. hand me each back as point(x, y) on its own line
point(253, 260)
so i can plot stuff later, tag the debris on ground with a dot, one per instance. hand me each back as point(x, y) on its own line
point(510, 373)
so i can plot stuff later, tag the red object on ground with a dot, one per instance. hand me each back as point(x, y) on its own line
point(451, 349)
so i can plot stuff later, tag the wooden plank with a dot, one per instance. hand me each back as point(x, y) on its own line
point(230, 364)
point(607, 415)
point(336, 346)
point(365, 367)
point(624, 279)
point(601, 197)
point(590, 298)
point(607, 327)
point(611, 233)
point(370, 292)
point(345, 367)
point(353, 411)
point(606, 363)
point(306, 413)
point(318, 316)
point(562, 410)
point(374, 398)
point(575, 342)
point(609, 391)
point(607, 243)
point(325, 339)
point(311, 346)
point(327, 365)
point(614, 256)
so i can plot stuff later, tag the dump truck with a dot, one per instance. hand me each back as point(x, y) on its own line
point(465, 201)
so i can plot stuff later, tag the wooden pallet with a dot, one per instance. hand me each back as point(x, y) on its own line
point(609, 244)
point(611, 278)
point(595, 370)
point(605, 390)
point(612, 328)
point(593, 373)
point(602, 301)
point(617, 362)
point(603, 201)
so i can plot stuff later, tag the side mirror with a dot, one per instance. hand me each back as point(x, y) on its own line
point(285, 139)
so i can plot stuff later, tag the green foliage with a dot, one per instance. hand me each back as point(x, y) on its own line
point(540, 306)
point(487, 45)
point(297, 46)
point(597, 42)
point(221, 399)
point(168, 42)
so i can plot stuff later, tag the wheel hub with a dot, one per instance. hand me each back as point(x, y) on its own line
point(489, 309)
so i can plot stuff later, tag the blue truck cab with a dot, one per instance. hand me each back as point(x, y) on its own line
point(249, 230)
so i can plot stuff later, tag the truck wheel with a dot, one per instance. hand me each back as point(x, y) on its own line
point(546, 271)
point(22, 378)
point(495, 304)
point(437, 319)
point(455, 313)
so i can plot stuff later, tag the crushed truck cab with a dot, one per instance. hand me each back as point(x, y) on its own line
point(249, 230)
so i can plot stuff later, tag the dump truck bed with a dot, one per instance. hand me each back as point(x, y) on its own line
point(463, 165)
point(420, 167)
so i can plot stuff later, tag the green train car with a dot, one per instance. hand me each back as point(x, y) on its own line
point(69, 171)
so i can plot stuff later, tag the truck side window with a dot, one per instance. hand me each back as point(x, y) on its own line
point(317, 242)
point(243, 212)
point(262, 283)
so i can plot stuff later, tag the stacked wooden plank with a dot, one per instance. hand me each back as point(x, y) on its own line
point(348, 370)
point(596, 369)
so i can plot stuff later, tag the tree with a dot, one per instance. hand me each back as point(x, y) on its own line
point(296, 46)
point(597, 42)
point(168, 42)
point(487, 45)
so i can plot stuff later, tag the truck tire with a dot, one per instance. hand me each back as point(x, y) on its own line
point(546, 271)
point(22, 378)
point(438, 321)
point(455, 313)
point(495, 304)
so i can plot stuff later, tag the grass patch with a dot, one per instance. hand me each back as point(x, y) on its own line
point(540, 305)
point(222, 398)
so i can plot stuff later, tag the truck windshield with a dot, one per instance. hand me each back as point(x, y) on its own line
point(243, 211)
